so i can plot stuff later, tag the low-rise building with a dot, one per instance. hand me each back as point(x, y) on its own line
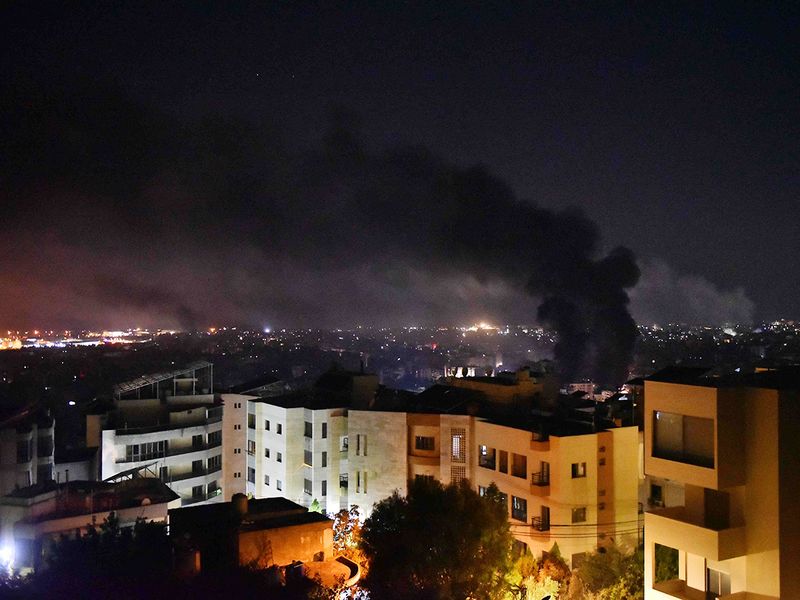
point(26, 447)
point(34, 516)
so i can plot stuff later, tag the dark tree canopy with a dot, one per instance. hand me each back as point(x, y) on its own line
point(438, 542)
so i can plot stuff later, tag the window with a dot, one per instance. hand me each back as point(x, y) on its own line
point(251, 447)
point(251, 421)
point(457, 473)
point(683, 439)
point(215, 463)
point(578, 470)
point(358, 482)
point(601, 506)
point(364, 478)
point(266, 452)
point(307, 458)
point(197, 467)
point(279, 429)
point(279, 457)
point(278, 484)
point(579, 515)
point(602, 462)
point(44, 473)
point(237, 450)
point(424, 443)
point(308, 429)
point(656, 495)
point(481, 489)
point(215, 438)
point(251, 474)
point(266, 424)
point(266, 479)
point(323, 488)
point(420, 477)
point(324, 431)
point(503, 468)
point(24, 451)
point(197, 492)
point(457, 450)
point(361, 444)
point(519, 465)
point(343, 480)
point(487, 457)
point(197, 441)
point(237, 427)
point(324, 459)
point(361, 481)
point(145, 451)
point(519, 508)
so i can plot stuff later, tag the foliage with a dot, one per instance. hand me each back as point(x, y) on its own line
point(612, 574)
point(315, 507)
point(666, 563)
point(347, 533)
point(438, 542)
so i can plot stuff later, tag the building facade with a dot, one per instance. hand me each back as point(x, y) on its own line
point(26, 448)
point(732, 445)
point(169, 424)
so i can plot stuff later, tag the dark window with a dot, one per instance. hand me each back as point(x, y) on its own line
point(24, 451)
point(683, 439)
point(307, 486)
point(519, 508)
point(279, 429)
point(324, 431)
point(323, 488)
point(308, 458)
point(579, 515)
point(503, 461)
point(215, 463)
point(197, 492)
point(278, 484)
point(197, 467)
point(419, 477)
point(251, 474)
point(215, 438)
point(656, 495)
point(266, 452)
point(279, 457)
point(578, 470)
point(344, 443)
point(487, 457)
point(197, 441)
point(324, 459)
point(251, 421)
point(266, 425)
point(266, 479)
point(424, 443)
point(44, 473)
point(251, 447)
point(519, 465)
point(308, 429)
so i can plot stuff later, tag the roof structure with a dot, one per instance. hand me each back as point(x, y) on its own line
point(129, 386)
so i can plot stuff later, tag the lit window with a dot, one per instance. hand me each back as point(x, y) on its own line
point(579, 515)
point(578, 470)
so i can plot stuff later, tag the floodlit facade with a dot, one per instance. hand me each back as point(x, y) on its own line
point(169, 424)
point(576, 485)
point(732, 444)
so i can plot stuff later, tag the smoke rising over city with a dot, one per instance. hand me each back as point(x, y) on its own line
point(141, 216)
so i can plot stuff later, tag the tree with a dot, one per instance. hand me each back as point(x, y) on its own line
point(612, 574)
point(438, 542)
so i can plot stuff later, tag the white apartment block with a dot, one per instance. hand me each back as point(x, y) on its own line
point(168, 424)
point(26, 449)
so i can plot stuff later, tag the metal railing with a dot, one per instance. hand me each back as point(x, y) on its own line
point(540, 478)
point(540, 525)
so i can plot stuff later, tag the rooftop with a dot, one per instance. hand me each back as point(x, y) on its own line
point(144, 380)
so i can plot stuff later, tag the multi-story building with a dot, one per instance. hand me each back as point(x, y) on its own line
point(731, 443)
point(565, 481)
point(26, 448)
point(169, 423)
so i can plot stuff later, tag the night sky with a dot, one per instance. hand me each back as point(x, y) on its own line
point(286, 164)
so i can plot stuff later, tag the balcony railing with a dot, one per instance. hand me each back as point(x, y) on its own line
point(540, 478)
point(195, 473)
point(540, 525)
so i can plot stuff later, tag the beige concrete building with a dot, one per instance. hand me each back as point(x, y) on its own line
point(733, 445)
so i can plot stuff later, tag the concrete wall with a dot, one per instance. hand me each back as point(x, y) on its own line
point(281, 546)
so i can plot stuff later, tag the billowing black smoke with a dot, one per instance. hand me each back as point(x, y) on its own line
point(209, 214)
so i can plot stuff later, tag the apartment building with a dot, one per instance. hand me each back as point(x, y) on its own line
point(26, 448)
point(565, 481)
point(731, 443)
point(169, 424)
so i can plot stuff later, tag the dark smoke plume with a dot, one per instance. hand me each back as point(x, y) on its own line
point(223, 220)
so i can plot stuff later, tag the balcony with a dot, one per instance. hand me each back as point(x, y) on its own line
point(677, 588)
point(540, 524)
point(540, 484)
point(673, 527)
point(540, 442)
point(194, 473)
